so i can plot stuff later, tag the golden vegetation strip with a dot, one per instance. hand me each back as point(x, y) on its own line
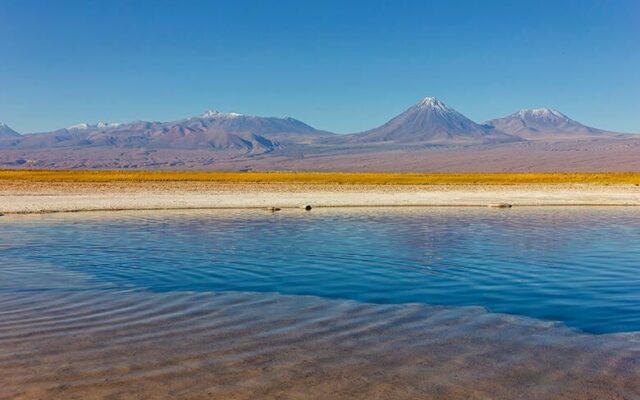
point(346, 178)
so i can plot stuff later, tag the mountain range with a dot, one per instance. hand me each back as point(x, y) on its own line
point(432, 121)
point(230, 140)
point(212, 130)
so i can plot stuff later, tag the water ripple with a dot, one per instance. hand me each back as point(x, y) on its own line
point(577, 266)
point(136, 344)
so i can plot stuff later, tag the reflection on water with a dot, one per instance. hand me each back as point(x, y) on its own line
point(183, 304)
point(577, 266)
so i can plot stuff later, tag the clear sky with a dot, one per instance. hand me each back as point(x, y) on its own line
point(340, 65)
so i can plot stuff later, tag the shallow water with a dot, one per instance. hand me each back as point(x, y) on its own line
point(577, 266)
point(378, 303)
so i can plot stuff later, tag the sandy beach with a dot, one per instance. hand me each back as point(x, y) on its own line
point(42, 197)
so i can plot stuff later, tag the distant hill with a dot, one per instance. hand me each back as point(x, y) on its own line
point(543, 123)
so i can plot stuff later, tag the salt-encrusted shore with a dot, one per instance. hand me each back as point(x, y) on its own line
point(42, 197)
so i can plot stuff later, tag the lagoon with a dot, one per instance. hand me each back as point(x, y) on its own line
point(400, 302)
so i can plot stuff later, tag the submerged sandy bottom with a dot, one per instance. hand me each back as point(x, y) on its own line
point(91, 344)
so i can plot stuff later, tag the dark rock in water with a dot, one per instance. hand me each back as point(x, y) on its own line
point(307, 207)
point(500, 205)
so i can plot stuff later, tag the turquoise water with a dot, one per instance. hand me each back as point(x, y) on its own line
point(578, 266)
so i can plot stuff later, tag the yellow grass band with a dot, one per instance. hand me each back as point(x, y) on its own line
point(347, 178)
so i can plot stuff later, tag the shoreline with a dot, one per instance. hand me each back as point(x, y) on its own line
point(259, 208)
point(22, 197)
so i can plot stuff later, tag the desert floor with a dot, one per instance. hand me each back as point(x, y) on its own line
point(17, 196)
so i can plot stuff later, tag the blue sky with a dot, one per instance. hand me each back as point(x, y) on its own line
point(343, 66)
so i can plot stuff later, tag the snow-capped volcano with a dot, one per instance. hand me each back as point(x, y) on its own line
point(432, 121)
point(542, 123)
point(6, 131)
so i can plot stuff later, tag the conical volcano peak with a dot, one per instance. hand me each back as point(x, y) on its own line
point(432, 102)
point(5, 130)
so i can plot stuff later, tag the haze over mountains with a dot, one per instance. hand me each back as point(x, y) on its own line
point(217, 140)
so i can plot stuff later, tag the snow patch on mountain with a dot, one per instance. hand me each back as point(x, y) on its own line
point(541, 113)
point(433, 103)
point(100, 125)
point(218, 114)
